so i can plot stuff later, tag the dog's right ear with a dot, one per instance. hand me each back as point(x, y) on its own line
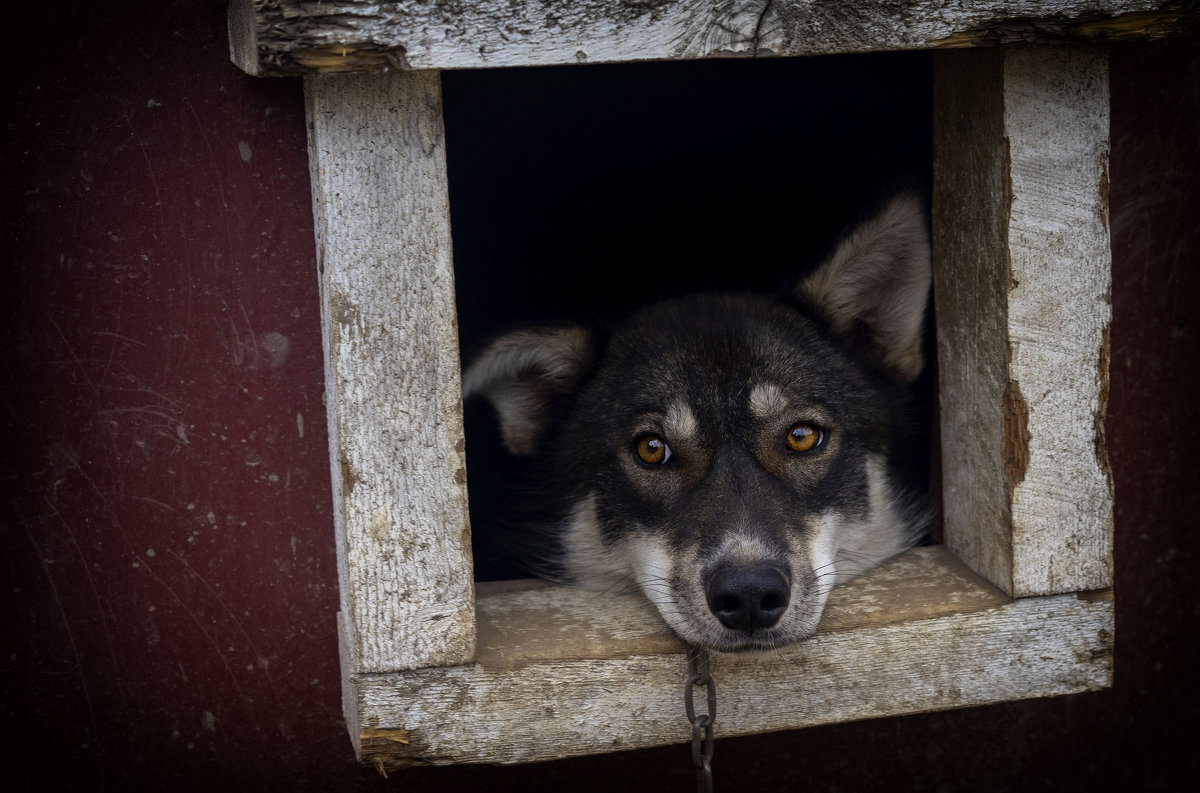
point(521, 372)
point(872, 289)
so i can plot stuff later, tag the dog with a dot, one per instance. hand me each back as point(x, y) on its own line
point(733, 456)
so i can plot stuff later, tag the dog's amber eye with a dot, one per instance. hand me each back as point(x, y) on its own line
point(652, 449)
point(804, 437)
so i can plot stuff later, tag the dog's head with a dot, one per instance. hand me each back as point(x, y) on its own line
point(731, 455)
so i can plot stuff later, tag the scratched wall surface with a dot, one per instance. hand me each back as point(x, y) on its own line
point(168, 563)
point(172, 588)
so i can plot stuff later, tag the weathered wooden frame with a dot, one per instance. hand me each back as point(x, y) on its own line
point(435, 672)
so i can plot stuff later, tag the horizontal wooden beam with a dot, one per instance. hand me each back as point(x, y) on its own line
point(290, 37)
point(563, 672)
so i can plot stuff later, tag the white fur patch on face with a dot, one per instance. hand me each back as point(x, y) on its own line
point(680, 423)
point(850, 545)
point(588, 562)
point(653, 567)
point(766, 401)
point(824, 557)
point(823, 549)
point(638, 562)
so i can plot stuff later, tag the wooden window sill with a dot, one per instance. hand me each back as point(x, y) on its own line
point(561, 672)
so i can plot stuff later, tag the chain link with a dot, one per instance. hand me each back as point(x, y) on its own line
point(702, 724)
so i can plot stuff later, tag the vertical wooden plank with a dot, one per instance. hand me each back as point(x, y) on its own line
point(1056, 121)
point(381, 212)
point(970, 247)
point(1022, 288)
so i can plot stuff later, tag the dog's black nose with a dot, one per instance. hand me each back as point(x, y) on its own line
point(748, 597)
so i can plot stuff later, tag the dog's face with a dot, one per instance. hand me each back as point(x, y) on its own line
point(730, 455)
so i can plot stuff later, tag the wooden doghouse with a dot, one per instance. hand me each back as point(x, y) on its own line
point(1016, 603)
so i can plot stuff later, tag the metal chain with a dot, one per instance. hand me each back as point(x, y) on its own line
point(702, 724)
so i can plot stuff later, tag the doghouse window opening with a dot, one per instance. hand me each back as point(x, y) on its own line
point(579, 194)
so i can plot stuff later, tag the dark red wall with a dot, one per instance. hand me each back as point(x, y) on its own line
point(170, 579)
point(170, 584)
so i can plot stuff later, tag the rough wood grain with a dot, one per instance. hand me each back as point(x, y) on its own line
point(300, 36)
point(395, 413)
point(1059, 314)
point(1022, 288)
point(918, 634)
point(970, 285)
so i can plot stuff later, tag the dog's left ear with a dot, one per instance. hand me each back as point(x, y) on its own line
point(874, 286)
point(522, 373)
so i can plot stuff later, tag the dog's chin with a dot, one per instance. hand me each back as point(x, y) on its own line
point(753, 644)
point(715, 637)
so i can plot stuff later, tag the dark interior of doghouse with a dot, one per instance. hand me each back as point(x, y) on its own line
point(580, 193)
